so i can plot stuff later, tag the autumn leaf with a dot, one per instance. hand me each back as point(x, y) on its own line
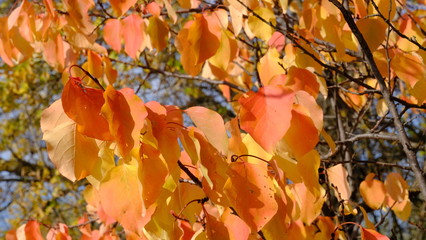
point(196, 43)
point(121, 6)
point(250, 192)
point(132, 30)
point(259, 28)
point(83, 105)
point(266, 115)
point(302, 129)
point(153, 172)
point(116, 111)
point(396, 186)
point(338, 178)
point(211, 124)
point(158, 32)
point(31, 230)
point(372, 191)
point(73, 154)
point(121, 197)
point(112, 34)
point(370, 234)
point(373, 30)
point(310, 204)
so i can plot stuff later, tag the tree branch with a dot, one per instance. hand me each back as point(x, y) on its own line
point(402, 135)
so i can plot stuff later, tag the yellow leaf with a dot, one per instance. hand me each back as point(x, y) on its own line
point(269, 66)
point(212, 125)
point(73, 154)
point(259, 28)
point(308, 166)
point(158, 32)
point(373, 30)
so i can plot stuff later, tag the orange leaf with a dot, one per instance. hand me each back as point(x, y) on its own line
point(83, 105)
point(138, 112)
point(32, 231)
point(112, 34)
point(237, 228)
point(211, 124)
point(266, 115)
point(132, 30)
point(121, 6)
point(73, 154)
point(116, 111)
point(54, 51)
point(164, 121)
point(409, 67)
point(302, 79)
point(372, 191)
point(250, 192)
point(78, 15)
point(196, 43)
point(302, 129)
point(121, 197)
point(369, 234)
point(94, 64)
point(338, 177)
point(310, 204)
point(215, 228)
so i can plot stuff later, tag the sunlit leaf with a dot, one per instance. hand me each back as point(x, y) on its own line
point(73, 154)
point(266, 115)
point(259, 28)
point(132, 30)
point(121, 197)
point(211, 124)
point(338, 178)
point(112, 34)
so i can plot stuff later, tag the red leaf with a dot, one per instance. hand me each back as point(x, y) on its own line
point(83, 105)
point(266, 115)
point(369, 234)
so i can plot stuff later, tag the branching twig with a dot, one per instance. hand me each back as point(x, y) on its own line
point(402, 135)
point(190, 175)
